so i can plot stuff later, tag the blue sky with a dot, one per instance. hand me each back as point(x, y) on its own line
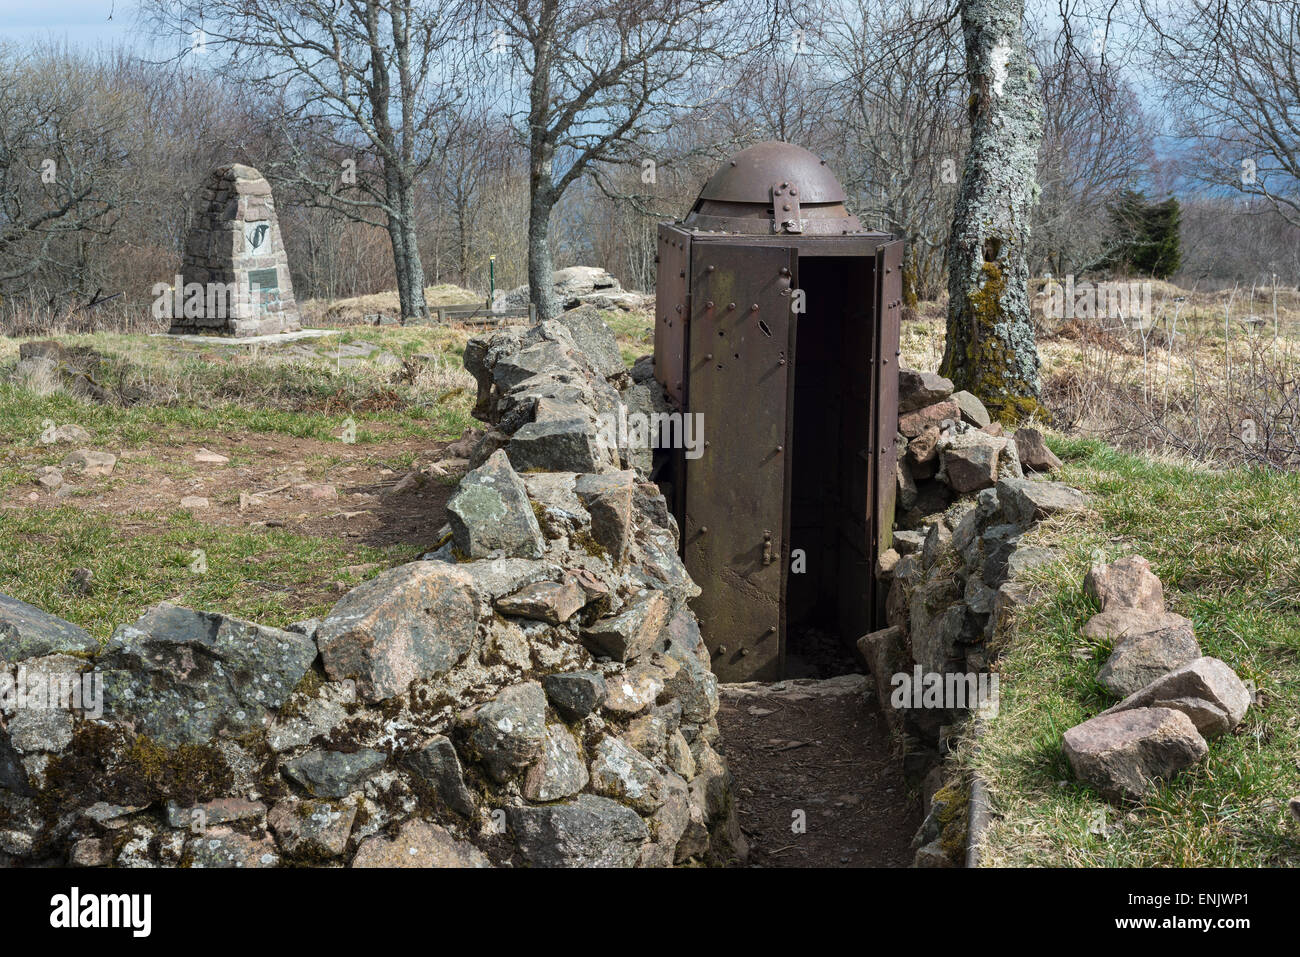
point(80, 22)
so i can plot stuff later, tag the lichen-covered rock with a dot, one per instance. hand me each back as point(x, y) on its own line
point(561, 444)
point(668, 823)
point(1023, 559)
point(419, 844)
point(608, 499)
point(594, 339)
point(649, 733)
point(1206, 690)
point(414, 621)
point(509, 731)
point(694, 686)
point(438, 767)
point(575, 694)
point(179, 676)
point(223, 847)
point(938, 622)
point(28, 632)
point(40, 730)
point(620, 772)
point(632, 632)
point(91, 852)
point(308, 715)
point(638, 687)
point(497, 577)
point(970, 461)
point(90, 463)
point(1121, 753)
point(712, 781)
point(334, 774)
point(677, 752)
point(551, 602)
point(1025, 501)
point(560, 771)
point(588, 831)
point(207, 813)
point(490, 514)
point(312, 829)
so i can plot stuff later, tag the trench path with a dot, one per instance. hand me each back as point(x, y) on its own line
point(816, 752)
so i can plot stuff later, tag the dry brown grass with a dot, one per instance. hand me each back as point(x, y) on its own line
point(1197, 381)
point(319, 313)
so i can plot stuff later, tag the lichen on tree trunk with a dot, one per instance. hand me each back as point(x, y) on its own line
point(990, 348)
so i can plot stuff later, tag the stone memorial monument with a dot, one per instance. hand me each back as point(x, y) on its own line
point(235, 273)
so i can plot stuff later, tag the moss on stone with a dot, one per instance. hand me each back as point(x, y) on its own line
point(103, 763)
point(952, 801)
point(581, 538)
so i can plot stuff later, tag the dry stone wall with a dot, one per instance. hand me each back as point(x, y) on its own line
point(968, 495)
point(534, 692)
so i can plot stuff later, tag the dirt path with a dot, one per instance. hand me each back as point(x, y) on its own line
point(816, 747)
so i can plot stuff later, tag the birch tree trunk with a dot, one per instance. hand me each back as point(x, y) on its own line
point(540, 281)
point(990, 348)
point(541, 162)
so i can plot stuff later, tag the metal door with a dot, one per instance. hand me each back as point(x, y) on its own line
point(889, 269)
point(672, 305)
point(734, 537)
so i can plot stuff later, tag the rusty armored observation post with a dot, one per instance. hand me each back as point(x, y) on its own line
point(776, 321)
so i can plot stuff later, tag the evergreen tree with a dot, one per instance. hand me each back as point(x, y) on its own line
point(1146, 235)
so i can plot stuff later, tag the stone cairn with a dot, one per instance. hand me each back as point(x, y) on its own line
point(1173, 697)
point(535, 692)
point(235, 242)
point(965, 505)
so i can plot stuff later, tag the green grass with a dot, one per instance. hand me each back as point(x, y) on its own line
point(1226, 545)
point(214, 393)
point(270, 576)
point(239, 399)
point(634, 332)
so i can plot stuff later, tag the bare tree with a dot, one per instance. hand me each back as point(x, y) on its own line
point(602, 76)
point(1097, 142)
point(894, 72)
point(367, 90)
point(990, 349)
point(60, 163)
point(1232, 76)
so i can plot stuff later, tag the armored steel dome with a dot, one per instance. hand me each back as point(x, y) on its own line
point(770, 188)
